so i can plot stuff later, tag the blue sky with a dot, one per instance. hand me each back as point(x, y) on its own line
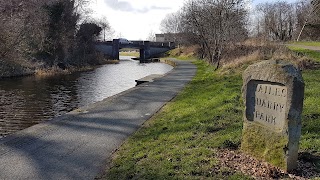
point(136, 19)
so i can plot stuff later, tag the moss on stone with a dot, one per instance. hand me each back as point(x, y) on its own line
point(264, 144)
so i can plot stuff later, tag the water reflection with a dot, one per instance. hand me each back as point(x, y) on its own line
point(29, 100)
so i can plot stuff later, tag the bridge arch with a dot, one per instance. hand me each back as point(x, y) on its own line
point(147, 49)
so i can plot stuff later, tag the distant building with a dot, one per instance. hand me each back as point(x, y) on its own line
point(177, 38)
point(167, 37)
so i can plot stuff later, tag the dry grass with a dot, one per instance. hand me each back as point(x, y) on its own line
point(242, 55)
point(51, 72)
point(166, 61)
point(129, 53)
point(260, 42)
point(58, 71)
point(55, 70)
point(185, 52)
point(108, 61)
point(240, 63)
point(239, 56)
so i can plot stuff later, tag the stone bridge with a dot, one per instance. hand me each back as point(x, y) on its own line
point(147, 49)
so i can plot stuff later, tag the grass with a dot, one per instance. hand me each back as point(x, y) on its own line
point(183, 53)
point(110, 62)
point(129, 53)
point(306, 52)
point(51, 71)
point(180, 142)
point(310, 139)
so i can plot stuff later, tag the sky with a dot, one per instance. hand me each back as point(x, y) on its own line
point(137, 19)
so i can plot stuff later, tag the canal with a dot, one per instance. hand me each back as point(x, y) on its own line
point(27, 101)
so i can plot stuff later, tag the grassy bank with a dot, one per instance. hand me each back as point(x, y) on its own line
point(12, 69)
point(184, 140)
point(180, 141)
point(55, 70)
point(310, 142)
point(129, 53)
point(306, 52)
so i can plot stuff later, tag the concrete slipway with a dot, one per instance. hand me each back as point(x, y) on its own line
point(79, 144)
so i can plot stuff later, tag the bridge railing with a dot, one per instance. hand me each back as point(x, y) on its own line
point(137, 43)
point(163, 44)
point(142, 43)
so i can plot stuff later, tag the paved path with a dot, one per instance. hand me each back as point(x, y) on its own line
point(314, 48)
point(79, 144)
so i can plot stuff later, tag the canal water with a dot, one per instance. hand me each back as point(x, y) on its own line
point(30, 100)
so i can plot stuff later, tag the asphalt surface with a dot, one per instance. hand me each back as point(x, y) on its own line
point(314, 48)
point(79, 145)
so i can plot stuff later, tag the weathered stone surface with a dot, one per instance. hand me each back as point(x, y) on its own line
point(273, 94)
point(266, 104)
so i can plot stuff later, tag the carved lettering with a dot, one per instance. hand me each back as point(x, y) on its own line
point(270, 104)
point(269, 89)
point(265, 117)
point(267, 104)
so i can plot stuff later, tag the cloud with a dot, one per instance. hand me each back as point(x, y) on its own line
point(127, 7)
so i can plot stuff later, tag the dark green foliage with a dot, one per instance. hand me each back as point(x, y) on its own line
point(87, 32)
point(62, 21)
point(55, 12)
point(86, 36)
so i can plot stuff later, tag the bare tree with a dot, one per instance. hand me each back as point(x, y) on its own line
point(283, 21)
point(106, 28)
point(171, 23)
point(278, 20)
point(43, 30)
point(308, 13)
point(151, 36)
point(215, 25)
point(22, 26)
point(173, 29)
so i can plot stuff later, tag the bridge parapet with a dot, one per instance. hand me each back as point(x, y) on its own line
point(103, 43)
point(139, 44)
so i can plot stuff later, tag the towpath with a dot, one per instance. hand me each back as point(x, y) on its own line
point(79, 145)
point(314, 48)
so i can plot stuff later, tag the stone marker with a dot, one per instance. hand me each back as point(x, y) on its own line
point(273, 95)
